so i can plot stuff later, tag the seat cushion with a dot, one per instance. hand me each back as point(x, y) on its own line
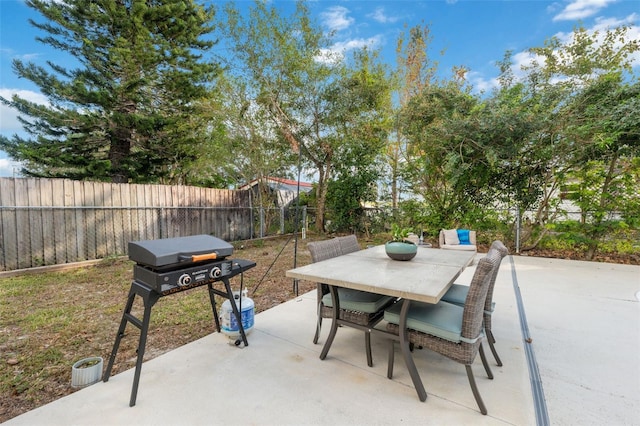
point(356, 300)
point(451, 237)
point(443, 320)
point(467, 247)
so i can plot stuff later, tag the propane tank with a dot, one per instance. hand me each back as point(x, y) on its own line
point(228, 323)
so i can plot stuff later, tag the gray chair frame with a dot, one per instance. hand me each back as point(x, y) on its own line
point(488, 305)
point(326, 249)
point(472, 327)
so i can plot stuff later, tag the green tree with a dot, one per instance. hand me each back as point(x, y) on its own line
point(294, 79)
point(606, 123)
point(253, 148)
point(132, 109)
point(541, 130)
point(594, 138)
point(520, 127)
point(415, 71)
point(361, 109)
point(445, 162)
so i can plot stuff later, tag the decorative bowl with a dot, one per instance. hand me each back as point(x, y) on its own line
point(401, 250)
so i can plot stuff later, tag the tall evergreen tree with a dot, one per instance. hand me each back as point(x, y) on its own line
point(131, 110)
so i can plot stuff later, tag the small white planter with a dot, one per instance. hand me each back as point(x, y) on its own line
point(86, 372)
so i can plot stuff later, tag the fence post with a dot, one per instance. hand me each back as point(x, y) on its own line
point(161, 222)
point(304, 222)
point(261, 222)
point(518, 223)
point(281, 220)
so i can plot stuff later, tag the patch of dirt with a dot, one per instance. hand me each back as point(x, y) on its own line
point(99, 292)
point(627, 259)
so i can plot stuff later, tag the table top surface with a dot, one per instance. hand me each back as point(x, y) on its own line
point(424, 278)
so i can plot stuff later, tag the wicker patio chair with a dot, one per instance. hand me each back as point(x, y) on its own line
point(457, 294)
point(359, 307)
point(348, 244)
point(448, 329)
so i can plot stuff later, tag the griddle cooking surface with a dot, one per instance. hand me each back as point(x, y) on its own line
point(168, 252)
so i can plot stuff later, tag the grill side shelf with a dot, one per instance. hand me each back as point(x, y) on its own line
point(241, 265)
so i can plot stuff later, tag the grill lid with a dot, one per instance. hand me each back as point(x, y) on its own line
point(179, 251)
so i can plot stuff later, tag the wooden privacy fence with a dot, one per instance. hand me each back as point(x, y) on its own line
point(54, 221)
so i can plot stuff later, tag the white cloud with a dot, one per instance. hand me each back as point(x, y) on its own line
point(30, 57)
point(9, 123)
point(602, 25)
point(8, 168)
point(26, 57)
point(380, 16)
point(519, 60)
point(329, 56)
point(481, 84)
point(525, 58)
point(338, 51)
point(633, 32)
point(335, 18)
point(358, 43)
point(580, 9)
point(606, 23)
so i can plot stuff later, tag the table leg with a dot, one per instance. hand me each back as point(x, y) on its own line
point(334, 323)
point(406, 352)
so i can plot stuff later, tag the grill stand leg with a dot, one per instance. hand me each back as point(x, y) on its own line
point(212, 297)
point(149, 298)
point(229, 295)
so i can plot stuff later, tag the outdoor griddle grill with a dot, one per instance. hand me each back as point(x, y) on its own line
point(171, 265)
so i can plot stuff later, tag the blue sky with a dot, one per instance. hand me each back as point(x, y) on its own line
point(472, 33)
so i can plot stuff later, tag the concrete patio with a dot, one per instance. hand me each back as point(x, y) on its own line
point(582, 320)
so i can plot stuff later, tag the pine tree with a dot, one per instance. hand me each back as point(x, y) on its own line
point(132, 108)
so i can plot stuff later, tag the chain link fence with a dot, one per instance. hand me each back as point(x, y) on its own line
point(41, 236)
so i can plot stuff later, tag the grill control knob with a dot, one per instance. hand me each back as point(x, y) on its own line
point(216, 272)
point(184, 279)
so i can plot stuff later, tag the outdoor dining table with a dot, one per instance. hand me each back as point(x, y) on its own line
point(425, 278)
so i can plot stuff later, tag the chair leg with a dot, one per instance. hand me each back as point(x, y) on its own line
point(485, 364)
point(474, 389)
point(318, 325)
point(391, 359)
point(367, 343)
point(491, 341)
